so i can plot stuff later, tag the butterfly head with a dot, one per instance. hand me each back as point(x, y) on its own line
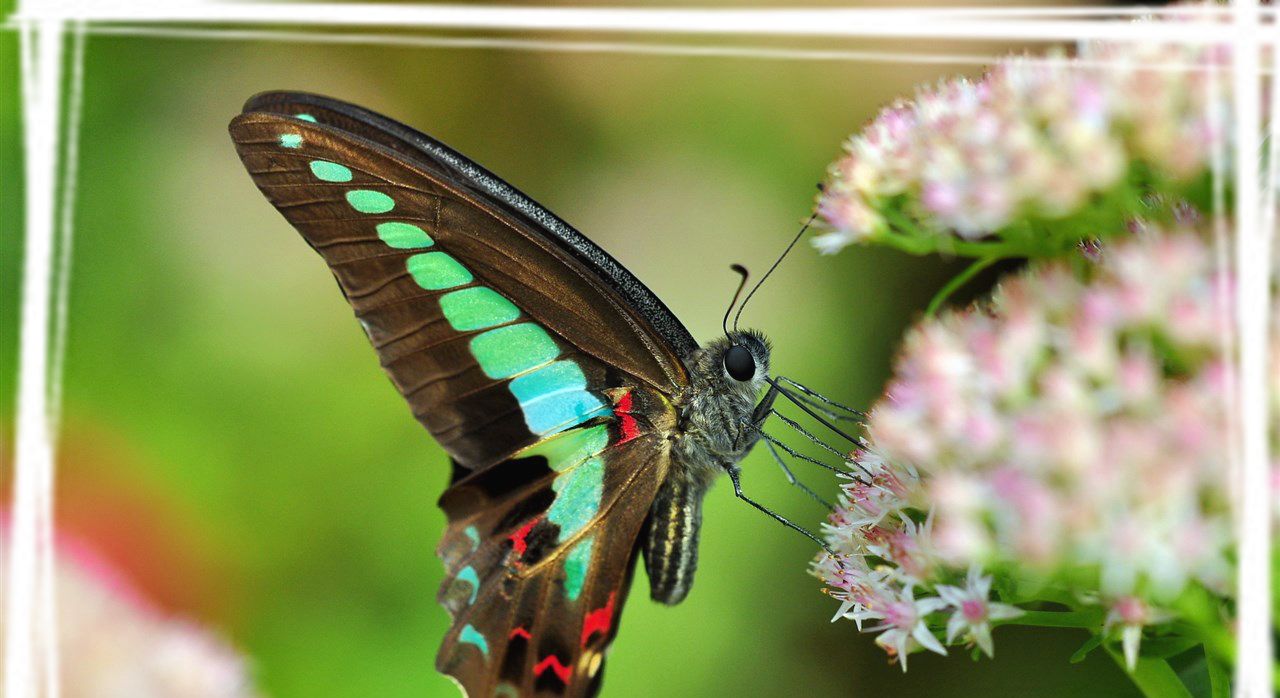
point(733, 368)
point(744, 359)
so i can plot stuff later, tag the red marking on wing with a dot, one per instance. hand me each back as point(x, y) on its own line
point(553, 662)
point(520, 632)
point(626, 422)
point(599, 620)
point(518, 542)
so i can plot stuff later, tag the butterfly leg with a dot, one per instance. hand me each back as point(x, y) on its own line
point(765, 406)
point(750, 432)
point(791, 477)
point(735, 476)
point(799, 401)
point(794, 453)
point(824, 404)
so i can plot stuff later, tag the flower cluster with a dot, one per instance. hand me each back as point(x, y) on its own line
point(1032, 154)
point(115, 642)
point(1071, 432)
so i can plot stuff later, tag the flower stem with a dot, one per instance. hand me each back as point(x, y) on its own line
point(904, 234)
point(1154, 677)
point(1089, 620)
point(955, 283)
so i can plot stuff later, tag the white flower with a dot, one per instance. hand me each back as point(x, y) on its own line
point(974, 611)
point(904, 627)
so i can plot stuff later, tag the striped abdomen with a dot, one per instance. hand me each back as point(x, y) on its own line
point(671, 545)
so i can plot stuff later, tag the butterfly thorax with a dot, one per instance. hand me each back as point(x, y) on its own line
point(713, 433)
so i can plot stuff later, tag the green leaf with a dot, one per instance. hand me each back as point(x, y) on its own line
point(1154, 677)
point(1219, 679)
point(1165, 647)
point(1089, 645)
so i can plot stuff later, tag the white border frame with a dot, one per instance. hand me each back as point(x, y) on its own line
point(30, 654)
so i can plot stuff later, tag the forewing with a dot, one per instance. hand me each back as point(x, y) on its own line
point(494, 327)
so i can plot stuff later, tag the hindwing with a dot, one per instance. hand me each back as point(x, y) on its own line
point(537, 571)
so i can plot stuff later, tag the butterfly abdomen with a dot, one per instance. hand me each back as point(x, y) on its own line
point(671, 543)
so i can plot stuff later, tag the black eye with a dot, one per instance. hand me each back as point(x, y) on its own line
point(739, 364)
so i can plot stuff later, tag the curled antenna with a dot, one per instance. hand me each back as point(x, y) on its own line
point(741, 271)
point(778, 261)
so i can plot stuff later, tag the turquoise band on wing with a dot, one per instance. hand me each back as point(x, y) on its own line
point(507, 351)
point(477, 308)
point(555, 397)
point(552, 392)
point(576, 458)
point(576, 564)
point(577, 497)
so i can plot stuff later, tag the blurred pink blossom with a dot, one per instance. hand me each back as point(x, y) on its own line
point(1072, 429)
point(114, 642)
point(1035, 138)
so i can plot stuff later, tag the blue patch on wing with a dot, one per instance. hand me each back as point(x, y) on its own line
point(554, 397)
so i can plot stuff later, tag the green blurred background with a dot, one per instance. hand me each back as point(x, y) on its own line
point(232, 445)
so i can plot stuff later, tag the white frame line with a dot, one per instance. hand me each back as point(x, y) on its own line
point(30, 616)
point(638, 47)
point(931, 23)
point(1253, 678)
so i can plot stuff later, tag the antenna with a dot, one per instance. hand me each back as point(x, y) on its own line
point(741, 271)
point(755, 288)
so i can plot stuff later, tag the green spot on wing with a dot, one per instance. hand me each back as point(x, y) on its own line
point(571, 448)
point(577, 497)
point(474, 535)
point(369, 201)
point(506, 351)
point(306, 117)
point(436, 270)
point(291, 140)
point(576, 564)
point(330, 171)
point(404, 236)
point(472, 636)
point(476, 308)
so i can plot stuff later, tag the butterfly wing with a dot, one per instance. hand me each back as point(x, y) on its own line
point(536, 590)
point(459, 281)
point(516, 342)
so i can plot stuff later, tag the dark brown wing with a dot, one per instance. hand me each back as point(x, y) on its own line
point(410, 232)
point(539, 363)
point(536, 595)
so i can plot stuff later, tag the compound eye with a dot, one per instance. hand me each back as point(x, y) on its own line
point(739, 364)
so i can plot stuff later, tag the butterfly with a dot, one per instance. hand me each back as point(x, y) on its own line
point(583, 422)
